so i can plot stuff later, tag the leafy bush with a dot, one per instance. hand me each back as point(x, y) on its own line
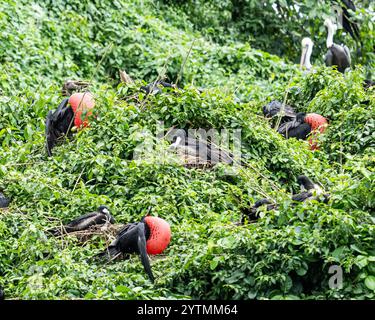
point(286, 254)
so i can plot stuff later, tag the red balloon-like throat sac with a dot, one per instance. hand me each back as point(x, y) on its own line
point(160, 235)
point(82, 105)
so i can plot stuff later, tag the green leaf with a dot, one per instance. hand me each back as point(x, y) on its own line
point(122, 289)
point(213, 264)
point(301, 271)
point(370, 282)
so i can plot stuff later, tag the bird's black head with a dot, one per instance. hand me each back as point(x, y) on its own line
point(300, 116)
point(265, 111)
point(272, 109)
point(305, 182)
point(103, 209)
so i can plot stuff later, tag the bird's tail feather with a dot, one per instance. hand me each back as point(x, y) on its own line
point(110, 253)
point(49, 141)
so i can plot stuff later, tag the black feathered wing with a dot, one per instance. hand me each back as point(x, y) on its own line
point(338, 56)
point(121, 244)
point(143, 252)
point(295, 129)
point(166, 84)
point(131, 239)
point(349, 25)
point(303, 196)
point(79, 224)
point(274, 108)
point(86, 221)
point(58, 124)
point(328, 58)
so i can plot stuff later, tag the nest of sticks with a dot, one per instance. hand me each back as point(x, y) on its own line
point(107, 232)
point(191, 158)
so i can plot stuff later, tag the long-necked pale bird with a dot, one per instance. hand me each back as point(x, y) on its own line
point(337, 55)
point(307, 47)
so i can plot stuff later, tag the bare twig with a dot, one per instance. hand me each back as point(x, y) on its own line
point(184, 63)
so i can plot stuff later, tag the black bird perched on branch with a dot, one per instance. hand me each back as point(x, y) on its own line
point(154, 87)
point(309, 191)
point(58, 124)
point(99, 217)
point(337, 55)
point(276, 108)
point(151, 235)
point(4, 201)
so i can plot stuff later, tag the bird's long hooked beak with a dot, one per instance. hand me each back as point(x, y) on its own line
point(148, 210)
point(147, 213)
point(303, 57)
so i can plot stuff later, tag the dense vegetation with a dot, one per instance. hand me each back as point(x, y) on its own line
point(240, 64)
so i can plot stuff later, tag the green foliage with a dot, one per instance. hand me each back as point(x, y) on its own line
point(285, 255)
point(278, 26)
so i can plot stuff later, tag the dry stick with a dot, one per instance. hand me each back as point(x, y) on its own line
point(239, 86)
point(283, 107)
point(184, 63)
point(169, 130)
point(159, 77)
point(79, 177)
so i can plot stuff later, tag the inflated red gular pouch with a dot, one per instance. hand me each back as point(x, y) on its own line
point(82, 105)
point(318, 125)
point(160, 235)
